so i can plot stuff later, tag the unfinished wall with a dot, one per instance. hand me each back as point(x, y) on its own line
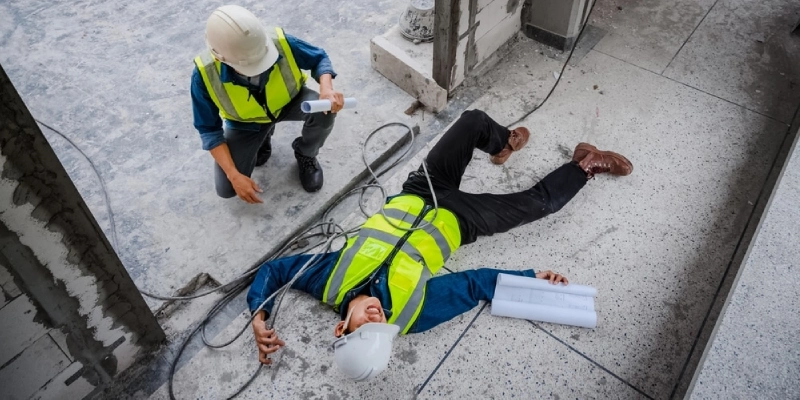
point(70, 316)
point(484, 26)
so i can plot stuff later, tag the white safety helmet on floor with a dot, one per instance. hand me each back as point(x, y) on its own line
point(236, 37)
point(365, 353)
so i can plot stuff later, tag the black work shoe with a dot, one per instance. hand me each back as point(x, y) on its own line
point(310, 172)
point(264, 152)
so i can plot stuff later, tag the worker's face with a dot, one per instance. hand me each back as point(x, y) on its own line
point(362, 309)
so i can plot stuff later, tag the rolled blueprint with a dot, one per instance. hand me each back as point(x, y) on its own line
point(536, 299)
point(539, 312)
point(315, 106)
point(542, 284)
point(544, 297)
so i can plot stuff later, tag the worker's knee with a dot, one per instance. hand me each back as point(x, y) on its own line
point(476, 115)
point(320, 120)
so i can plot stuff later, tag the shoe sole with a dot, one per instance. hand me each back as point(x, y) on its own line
point(590, 148)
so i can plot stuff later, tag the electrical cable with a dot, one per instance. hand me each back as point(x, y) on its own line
point(244, 279)
point(113, 226)
point(240, 283)
point(563, 68)
point(383, 190)
point(376, 183)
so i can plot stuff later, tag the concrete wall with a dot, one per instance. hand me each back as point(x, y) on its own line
point(484, 26)
point(70, 316)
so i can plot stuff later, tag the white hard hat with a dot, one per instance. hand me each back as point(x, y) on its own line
point(364, 353)
point(236, 37)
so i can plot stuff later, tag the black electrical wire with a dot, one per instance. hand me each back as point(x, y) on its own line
point(243, 281)
point(563, 68)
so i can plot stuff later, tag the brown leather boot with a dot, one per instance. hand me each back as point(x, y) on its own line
point(516, 140)
point(594, 161)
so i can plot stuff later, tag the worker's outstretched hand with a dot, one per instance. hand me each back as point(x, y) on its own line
point(336, 98)
point(552, 277)
point(246, 188)
point(267, 340)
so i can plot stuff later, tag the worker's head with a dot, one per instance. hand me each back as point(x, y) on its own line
point(236, 37)
point(359, 311)
point(364, 342)
point(365, 352)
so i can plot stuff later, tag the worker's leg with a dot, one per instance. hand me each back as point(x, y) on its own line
point(243, 145)
point(450, 156)
point(486, 214)
point(316, 126)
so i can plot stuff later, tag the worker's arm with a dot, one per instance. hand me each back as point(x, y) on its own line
point(246, 188)
point(316, 60)
point(209, 124)
point(206, 114)
point(448, 296)
point(273, 275)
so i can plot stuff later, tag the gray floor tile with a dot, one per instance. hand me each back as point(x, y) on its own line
point(744, 52)
point(503, 358)
point(754, 351)
point(305, 366)
point(647, 33)
point(656, 243)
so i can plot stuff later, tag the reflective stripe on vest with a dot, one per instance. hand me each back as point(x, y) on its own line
point(421, 254)
point(235, 102)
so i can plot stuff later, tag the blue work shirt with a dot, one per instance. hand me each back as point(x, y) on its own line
point(446, 296)
point(206, 114)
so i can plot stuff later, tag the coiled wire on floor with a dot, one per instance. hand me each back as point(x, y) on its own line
point(328, 229)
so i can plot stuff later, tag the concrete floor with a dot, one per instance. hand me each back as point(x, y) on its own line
point(698, 94)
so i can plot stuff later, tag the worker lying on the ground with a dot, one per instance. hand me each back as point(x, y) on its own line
point(385, 274)
point(251, 77)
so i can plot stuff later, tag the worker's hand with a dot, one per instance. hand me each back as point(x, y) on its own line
point(552, 277)
point(246, 188)
point(267, 341)
point(336, 98)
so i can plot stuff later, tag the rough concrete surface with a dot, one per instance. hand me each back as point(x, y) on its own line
point(655, 244)
point(408, 67)
point(114, 78)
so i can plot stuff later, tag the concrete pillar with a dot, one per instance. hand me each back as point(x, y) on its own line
point(86, 321)
point(555, 23)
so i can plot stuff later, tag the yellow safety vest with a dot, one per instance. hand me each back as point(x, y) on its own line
point(235, 103)
point(414, 256)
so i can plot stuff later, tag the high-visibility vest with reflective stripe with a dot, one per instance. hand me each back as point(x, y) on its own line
point(235, 102)
point(414, 256)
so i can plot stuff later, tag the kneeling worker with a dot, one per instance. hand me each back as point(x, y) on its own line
point(252, 78)
point(381, 282)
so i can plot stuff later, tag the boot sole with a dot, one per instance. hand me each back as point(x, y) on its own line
point(593, 149)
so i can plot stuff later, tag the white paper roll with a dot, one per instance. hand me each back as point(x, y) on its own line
point(315, 106)
point(541, 284)
point(537, 312)
point(548, 298)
